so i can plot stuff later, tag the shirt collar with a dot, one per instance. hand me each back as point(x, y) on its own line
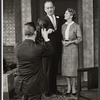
point(50, 16)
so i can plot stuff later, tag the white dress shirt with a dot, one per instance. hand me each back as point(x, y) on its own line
point(53, 20)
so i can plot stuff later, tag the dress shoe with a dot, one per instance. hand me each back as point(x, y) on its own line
point(68, 93)
point(58, 93)
point(74, 93)
point(48, 94)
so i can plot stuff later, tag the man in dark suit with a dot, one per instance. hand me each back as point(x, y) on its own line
point(51, 65)
point(30, 79)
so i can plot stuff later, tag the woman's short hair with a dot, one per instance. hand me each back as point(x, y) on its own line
point(29, 28)
point(72, 13)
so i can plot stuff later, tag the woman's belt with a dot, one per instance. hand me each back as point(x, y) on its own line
point(66, 40)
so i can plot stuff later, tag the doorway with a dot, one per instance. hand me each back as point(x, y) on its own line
point(60, 8)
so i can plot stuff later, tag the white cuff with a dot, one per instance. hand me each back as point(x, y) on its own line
point(47, 40)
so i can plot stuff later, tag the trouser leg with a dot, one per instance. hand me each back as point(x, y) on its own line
point(53, 74)
point(34, 97)
point(25, 97)
point(31, 97)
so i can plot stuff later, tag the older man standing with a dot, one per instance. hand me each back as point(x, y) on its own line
point(51, 64)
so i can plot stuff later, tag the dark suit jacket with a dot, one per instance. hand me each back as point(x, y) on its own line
point(56, 36)
point(30, 79)
point(50, 64)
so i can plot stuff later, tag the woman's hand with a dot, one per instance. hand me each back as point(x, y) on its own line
point(66, 43)
point(45, 34)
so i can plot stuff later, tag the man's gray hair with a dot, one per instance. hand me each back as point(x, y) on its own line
point(48, 2)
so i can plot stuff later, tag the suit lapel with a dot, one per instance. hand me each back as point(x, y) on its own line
point(56, 20)
point(51, 25)
point(51, 22)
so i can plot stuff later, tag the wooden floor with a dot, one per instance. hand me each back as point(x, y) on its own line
point(61, 86)
point(54, 97)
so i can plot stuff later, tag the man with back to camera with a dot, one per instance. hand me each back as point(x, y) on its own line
point(29, 81)
point(51, 64)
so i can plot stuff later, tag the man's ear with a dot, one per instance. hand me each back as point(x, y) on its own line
point(44, 9)
point(35, 32)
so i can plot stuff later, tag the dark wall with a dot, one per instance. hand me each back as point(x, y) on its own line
point(60, 7)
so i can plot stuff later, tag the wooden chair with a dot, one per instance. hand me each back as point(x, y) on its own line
point(91, 92)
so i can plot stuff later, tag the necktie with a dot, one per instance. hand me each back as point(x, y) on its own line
point(53, 22)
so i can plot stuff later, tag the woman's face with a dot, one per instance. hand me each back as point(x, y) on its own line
point(67, 15)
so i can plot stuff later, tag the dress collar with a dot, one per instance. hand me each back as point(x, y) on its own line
point(70, 23)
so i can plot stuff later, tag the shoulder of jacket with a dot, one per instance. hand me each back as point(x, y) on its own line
point(75, 24)
point(63, 25)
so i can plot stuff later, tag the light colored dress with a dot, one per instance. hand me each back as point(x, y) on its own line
point(70, 52)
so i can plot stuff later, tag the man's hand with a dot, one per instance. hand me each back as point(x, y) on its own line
point(45, 34)
point(50, 31)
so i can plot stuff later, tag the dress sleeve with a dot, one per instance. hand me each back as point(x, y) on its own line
point(63, 31)
point(79, 35)
point(47, 49)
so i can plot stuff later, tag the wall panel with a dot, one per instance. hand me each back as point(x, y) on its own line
point(8, 22)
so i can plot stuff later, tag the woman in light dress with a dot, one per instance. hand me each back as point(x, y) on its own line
point(71, 38)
